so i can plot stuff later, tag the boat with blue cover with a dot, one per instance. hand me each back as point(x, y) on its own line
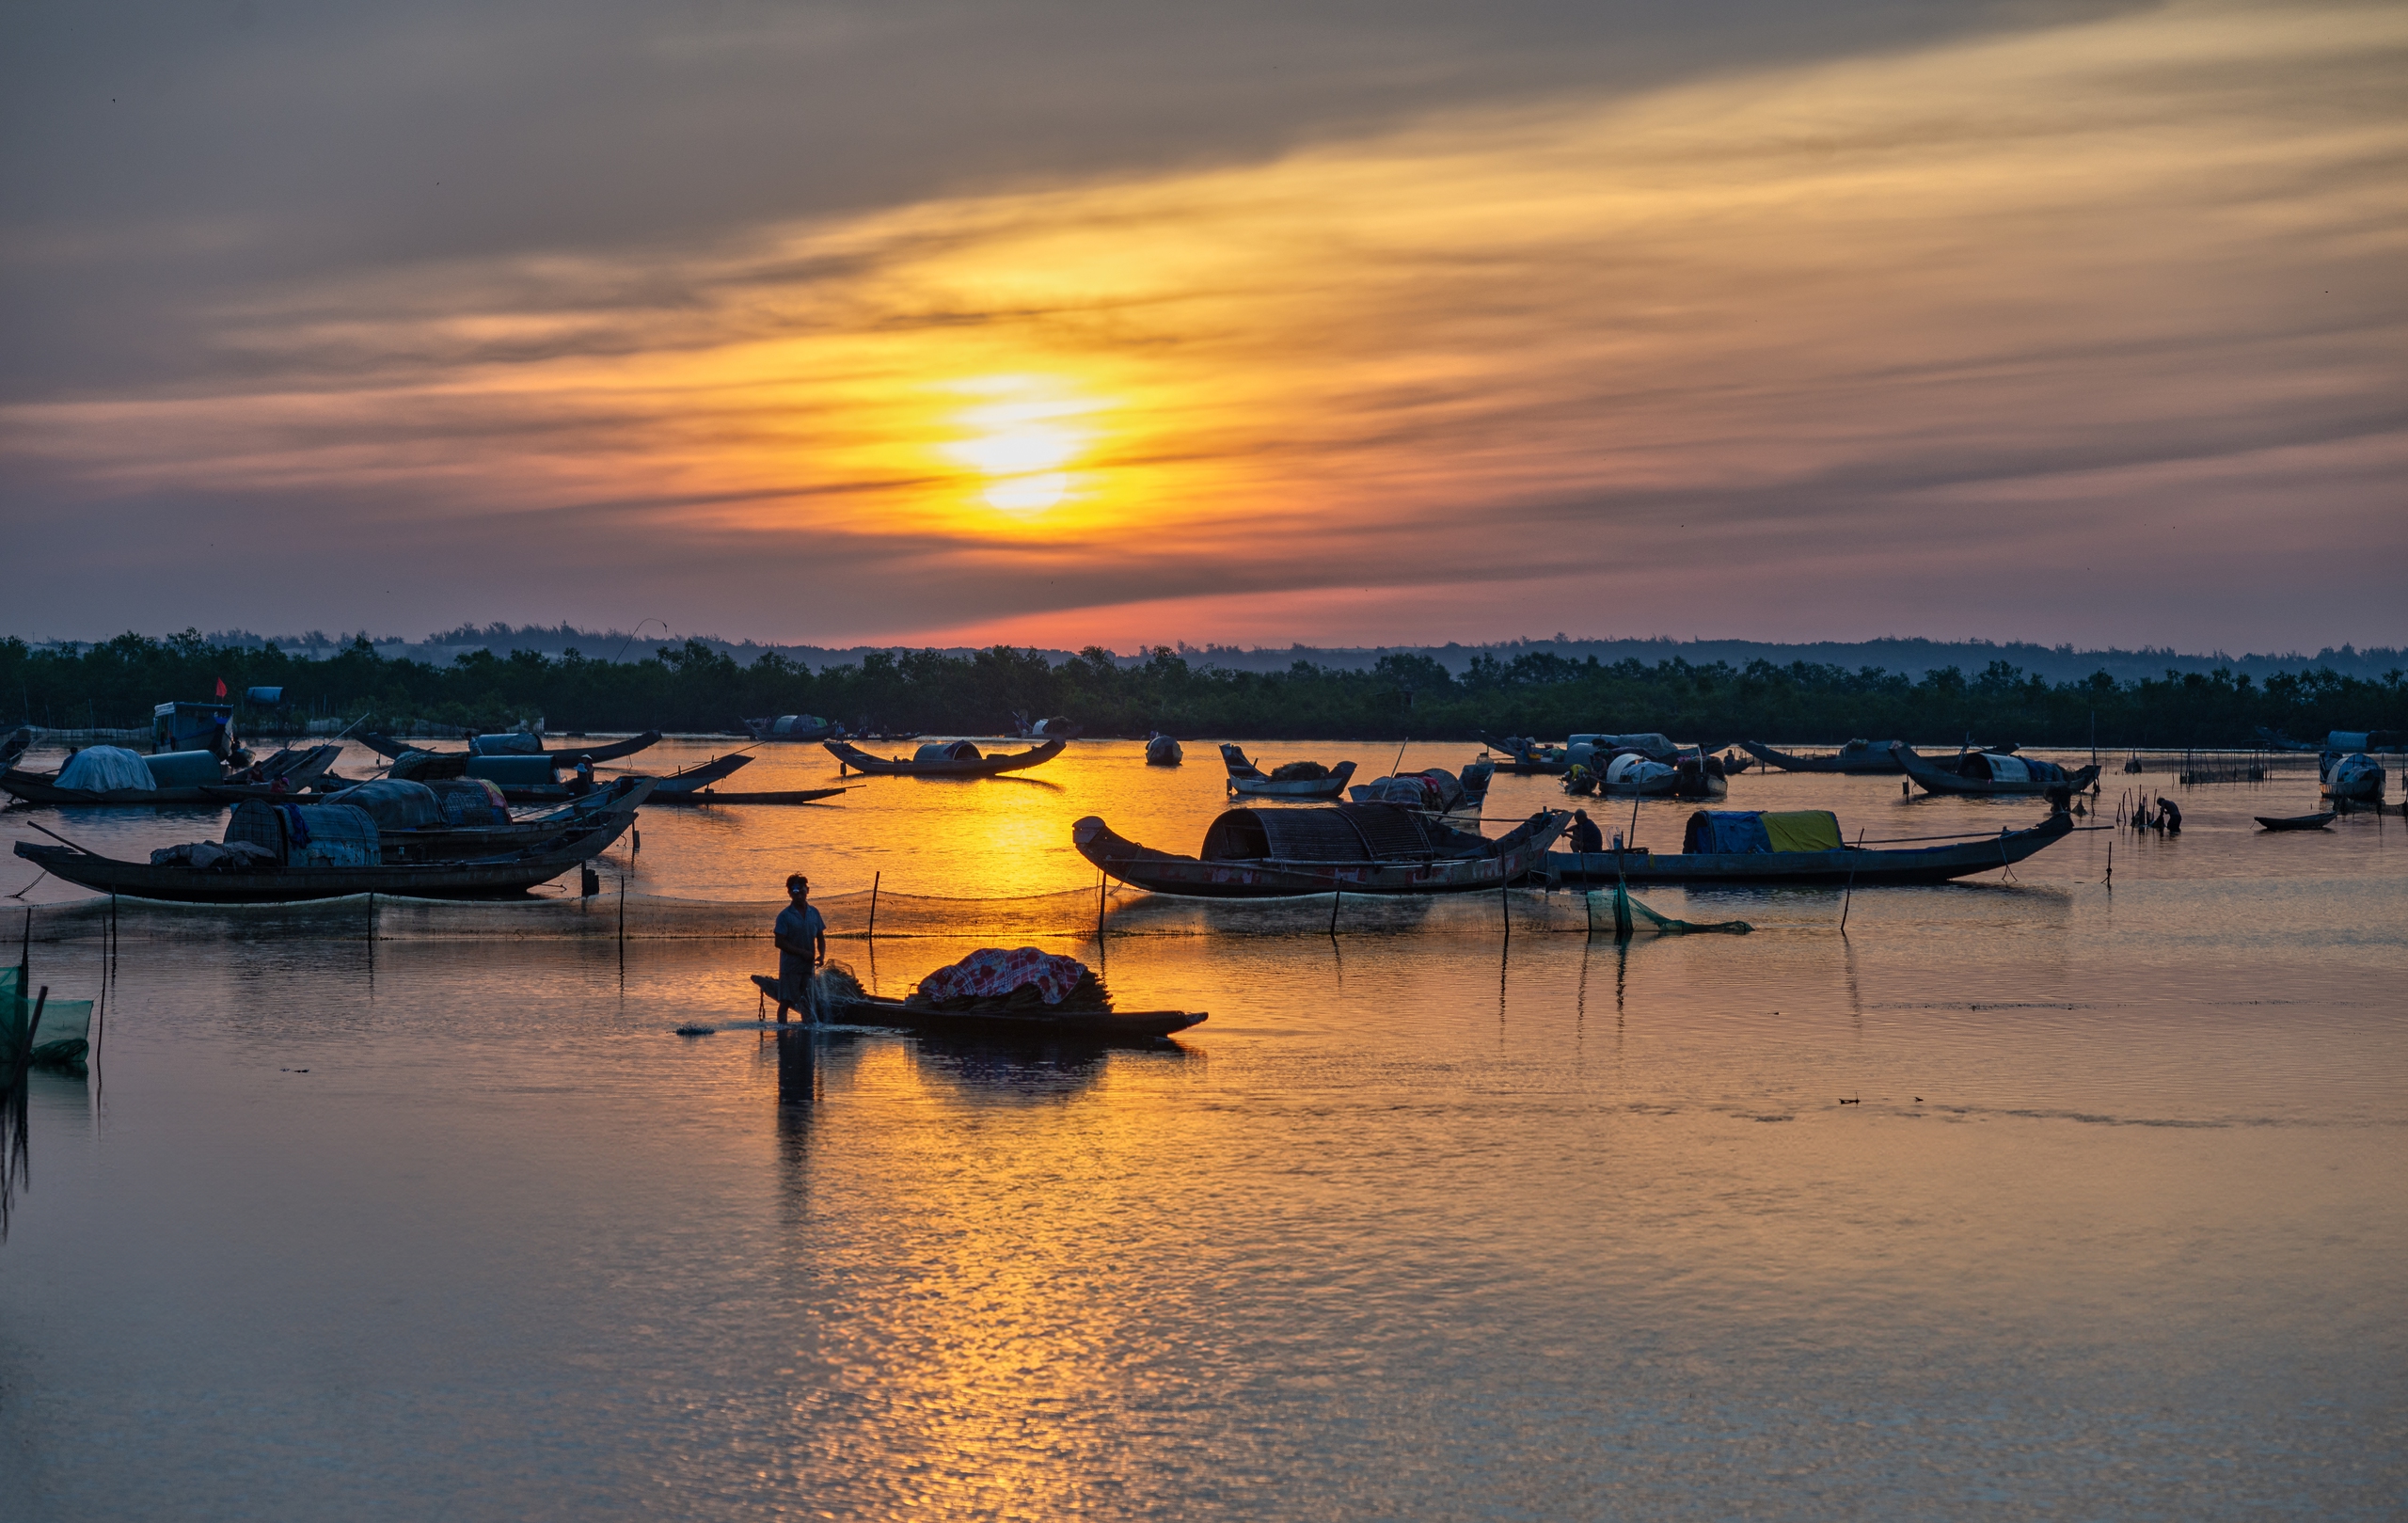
point(1753, 847)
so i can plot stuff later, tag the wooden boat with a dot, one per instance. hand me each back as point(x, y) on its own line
point(385, 746)
point(1162, 751)
point(297, 767)
point(701, 775)
point(2356, 778)
point(1056, 728)
point(1039, 1024)
point(487, 878)
point(1248, 780)
point(1528, 758)
point(1432, 790)
point(2297, 822)
point(1863, 866)
point(699, 796)
point(793, 727)
point(452, 843)
point(1857, 757)
point(940, 758)
point(1350, 849)
point(1989, 774)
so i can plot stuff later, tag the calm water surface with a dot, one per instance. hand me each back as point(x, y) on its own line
point(1426, 1222)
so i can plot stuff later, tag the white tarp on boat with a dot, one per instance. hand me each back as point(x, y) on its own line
point(106, 769)
point(1630, 768)
point(1650, 744)
point(2006, 768)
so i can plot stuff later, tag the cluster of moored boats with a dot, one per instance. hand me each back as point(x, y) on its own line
point(439, 823)
point(1407, 834)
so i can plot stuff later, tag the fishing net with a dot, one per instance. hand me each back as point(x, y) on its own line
point(1629, 915)
point(853, 916)
point(59, 1039)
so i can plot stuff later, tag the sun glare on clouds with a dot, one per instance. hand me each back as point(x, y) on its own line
point(1021, 439)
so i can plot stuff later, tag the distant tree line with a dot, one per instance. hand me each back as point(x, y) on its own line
point(695, 686)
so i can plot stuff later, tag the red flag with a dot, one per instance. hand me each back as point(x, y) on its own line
point(221, 686)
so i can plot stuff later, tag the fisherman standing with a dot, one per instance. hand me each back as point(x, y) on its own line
point(801, 936)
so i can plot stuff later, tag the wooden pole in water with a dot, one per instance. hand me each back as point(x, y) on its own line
point(2111, 861)
point(874, 879)
point(1848, 896)
point(1335, 896)
point(1504, 901)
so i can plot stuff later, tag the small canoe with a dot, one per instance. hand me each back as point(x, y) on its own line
point(2297, 823)
point(701, 775)
point(954, 759)
point(1248, 780)
point(700, 796)
point(1105, 1026)
point(1857, 757)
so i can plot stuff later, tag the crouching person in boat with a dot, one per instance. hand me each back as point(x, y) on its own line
point(802, 935)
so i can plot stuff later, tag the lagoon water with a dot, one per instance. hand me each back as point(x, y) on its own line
point(1427, 1221)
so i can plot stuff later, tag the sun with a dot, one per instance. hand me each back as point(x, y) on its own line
point(1022, 440)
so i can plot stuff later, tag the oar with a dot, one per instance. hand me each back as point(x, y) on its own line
point(62, 840)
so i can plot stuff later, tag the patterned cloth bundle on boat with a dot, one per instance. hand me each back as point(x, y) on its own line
point(995, 973)
point(1736, 831)
point(467, 801)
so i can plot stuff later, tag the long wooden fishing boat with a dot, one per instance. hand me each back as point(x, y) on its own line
point(453, 843)
point(1248, 780)
point(1988, 774)
point(298, 768)
point(1863, 866)
point(1856, 757)
point(40, 788)
point(1350, 849)
point(1024, 1024)
point(697, 798)
point(385, 745)
point(491, 877)
point(699, 776)
point(941, 759)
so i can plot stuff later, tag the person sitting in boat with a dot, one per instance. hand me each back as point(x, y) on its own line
point(1585, 835)
point(580, 781)
point(801, 936)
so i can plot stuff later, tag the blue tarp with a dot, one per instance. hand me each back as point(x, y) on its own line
point(1718, 830)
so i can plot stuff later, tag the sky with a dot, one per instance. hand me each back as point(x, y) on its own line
point(1070, 323)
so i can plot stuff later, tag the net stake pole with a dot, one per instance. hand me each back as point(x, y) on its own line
point(874, 878)
point(1851, 894)
point(1335, 897)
